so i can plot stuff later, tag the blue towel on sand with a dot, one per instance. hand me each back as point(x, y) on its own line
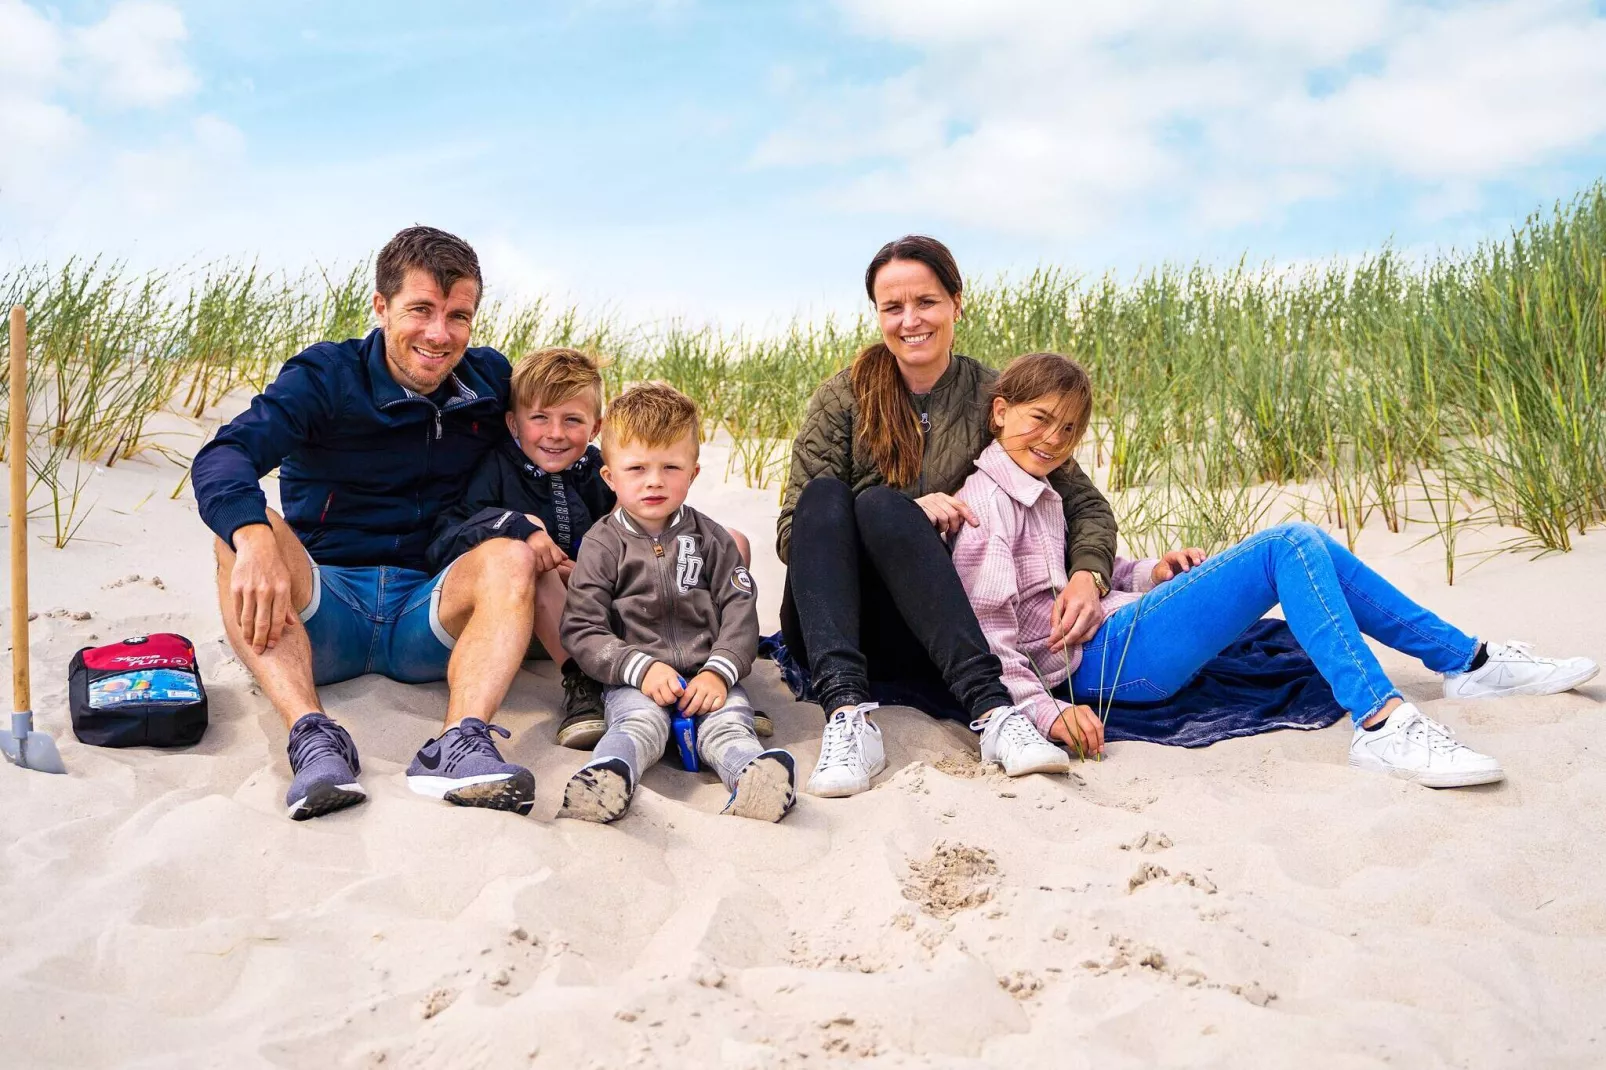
point(1262, 681)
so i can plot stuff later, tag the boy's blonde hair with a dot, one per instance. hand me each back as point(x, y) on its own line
point(653, 414)
point(555, 374)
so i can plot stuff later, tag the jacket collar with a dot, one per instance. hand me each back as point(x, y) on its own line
point(466, 386)
point(622, 518)
point(946, 379)
point(535, 471)
point(1011, 478)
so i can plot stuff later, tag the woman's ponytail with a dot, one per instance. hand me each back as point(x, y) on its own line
point(886, 425)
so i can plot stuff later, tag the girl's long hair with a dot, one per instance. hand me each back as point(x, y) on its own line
point(887, 426)
point(1041, 375)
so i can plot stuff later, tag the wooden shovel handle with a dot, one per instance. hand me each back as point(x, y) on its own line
point(17, 455)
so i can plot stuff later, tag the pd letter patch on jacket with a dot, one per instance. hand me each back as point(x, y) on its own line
point(688, 563)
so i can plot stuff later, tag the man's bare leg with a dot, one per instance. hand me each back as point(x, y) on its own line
point(284, 671)
point(488, 604)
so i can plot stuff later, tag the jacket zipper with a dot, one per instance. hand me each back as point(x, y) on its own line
point(669, 602)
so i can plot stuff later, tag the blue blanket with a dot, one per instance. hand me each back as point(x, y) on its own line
point(1262, 681)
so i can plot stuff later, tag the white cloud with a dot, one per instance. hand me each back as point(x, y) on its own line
point(1037, 116)
point(135, 54)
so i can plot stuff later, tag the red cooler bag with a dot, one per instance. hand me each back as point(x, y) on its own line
point(143, 692)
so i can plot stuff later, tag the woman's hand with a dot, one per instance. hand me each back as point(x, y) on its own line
point(1080, 729)
point(946, 513)
point(1177, 561)
point(1077, 612)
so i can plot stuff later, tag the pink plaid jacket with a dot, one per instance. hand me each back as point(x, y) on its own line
point(1013, 565)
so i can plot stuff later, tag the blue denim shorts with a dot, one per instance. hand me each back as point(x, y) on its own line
point(377, 619)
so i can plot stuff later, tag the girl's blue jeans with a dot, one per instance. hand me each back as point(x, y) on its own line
point(1147, 650)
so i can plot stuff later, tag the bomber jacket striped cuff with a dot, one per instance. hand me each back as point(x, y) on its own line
point(724, 667)
point(635, 666)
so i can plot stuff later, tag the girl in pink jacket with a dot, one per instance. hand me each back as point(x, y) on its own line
point(1166, 617)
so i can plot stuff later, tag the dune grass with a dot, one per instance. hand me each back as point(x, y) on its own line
point(1468, 389)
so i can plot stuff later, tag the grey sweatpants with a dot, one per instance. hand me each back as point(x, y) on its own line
point(638, 731)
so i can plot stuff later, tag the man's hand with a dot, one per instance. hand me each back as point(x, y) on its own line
point(1177, 561)
point(1079, 728)
point(704, 694)
point(260, 585)
point(946, 513)
point(662, 684)
point(1077, 612)
point(547, 554)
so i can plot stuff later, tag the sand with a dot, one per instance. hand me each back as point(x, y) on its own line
point(1255, 903)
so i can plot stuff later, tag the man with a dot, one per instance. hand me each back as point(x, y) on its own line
point(372, 438)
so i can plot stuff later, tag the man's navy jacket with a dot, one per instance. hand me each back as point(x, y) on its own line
point(365, 464)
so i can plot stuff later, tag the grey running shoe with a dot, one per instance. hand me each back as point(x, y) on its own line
point(324, 762)
point(762, 724)
point(766, 789)
point(464, 767)
point(583, 721)
point(599, 792)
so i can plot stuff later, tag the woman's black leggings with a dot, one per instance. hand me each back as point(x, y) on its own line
point(871, 594)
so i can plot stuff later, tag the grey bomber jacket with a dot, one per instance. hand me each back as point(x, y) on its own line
point(683, 597)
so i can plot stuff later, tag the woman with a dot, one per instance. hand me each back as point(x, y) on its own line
point(870, 591)
point(1153, 643)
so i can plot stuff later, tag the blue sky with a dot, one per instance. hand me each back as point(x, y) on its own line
point(741, 161)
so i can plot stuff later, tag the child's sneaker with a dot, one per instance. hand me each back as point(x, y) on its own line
point(464, 767)
point(766, 789)
point(599, 792)
point(1413, 746)
point(850, 754)
point(583, 720)
point(1513, 669)
point(1009, 738)
point(324, 761)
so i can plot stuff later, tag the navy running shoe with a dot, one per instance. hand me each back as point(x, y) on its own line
point(599, 792)
point(464, 767)
point(767, 789)
point(324, 761)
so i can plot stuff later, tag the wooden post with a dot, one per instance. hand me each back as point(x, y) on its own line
point(18, 456)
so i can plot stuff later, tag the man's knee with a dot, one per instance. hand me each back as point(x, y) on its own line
point(503, 567)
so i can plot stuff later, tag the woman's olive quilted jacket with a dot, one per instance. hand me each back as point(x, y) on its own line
point(955, 416)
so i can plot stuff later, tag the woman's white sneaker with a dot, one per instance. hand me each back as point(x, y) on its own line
point(850, 754)
point(1009, 738)
point(1413, 746)
point(1514, 669)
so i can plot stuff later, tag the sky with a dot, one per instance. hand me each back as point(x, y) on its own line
point(741, 161)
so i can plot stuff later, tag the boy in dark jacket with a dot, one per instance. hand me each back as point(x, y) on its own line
point(544, 487)
point(663, 611)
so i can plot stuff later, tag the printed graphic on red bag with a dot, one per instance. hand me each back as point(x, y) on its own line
point(161, 651)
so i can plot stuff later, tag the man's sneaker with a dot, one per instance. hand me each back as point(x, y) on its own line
point(464, 767)
point(850, 754)
point(1513, 669)
point(324, 762)
point(583, 721)
point(1413, 746)
point(1009, 738)
point(766, 789)
point(599, 792)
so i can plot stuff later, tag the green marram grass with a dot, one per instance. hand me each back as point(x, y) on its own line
point(1466, 390)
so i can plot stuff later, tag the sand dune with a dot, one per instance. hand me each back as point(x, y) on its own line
point(1252, 904)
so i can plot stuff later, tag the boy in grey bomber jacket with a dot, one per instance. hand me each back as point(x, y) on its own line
point(662, 611)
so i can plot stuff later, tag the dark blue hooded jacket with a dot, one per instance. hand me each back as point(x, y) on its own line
point(365, 465)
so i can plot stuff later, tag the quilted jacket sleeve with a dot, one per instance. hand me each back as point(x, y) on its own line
point(823, 447)
point(1089, 523)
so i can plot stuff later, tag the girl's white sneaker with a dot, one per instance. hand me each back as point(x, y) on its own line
point(1009, 738)
point(1413, 746)
point(1514, 669)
